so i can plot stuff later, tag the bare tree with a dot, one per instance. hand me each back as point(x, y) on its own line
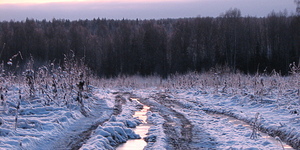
point(298, 7)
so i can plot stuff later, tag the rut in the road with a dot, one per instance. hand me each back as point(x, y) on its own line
point(77, 140)
point(77, 143)
point(119, 101)
point(177, 127)
point(85, 135)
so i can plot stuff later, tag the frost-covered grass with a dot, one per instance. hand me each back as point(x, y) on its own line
point(51, 101)
point(43, 102)
point(215, 82)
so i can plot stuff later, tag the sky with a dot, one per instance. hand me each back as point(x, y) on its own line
point(19, 10)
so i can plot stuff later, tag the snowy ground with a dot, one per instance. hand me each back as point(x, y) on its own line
point(211, 131)
point(180, 118)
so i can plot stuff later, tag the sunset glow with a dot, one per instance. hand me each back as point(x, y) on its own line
point(35, 1)
point(76, 1)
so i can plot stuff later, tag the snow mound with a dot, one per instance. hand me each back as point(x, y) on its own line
point(111, 134)
point(115, 131)
point(156, 138)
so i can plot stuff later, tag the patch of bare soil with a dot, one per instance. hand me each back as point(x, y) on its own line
point(177, 127)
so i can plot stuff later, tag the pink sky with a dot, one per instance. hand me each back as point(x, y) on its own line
point(99, 1)
point(133, 9)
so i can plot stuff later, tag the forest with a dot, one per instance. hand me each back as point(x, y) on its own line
point(158, 47)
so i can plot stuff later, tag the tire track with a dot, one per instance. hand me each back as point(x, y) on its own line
point(228, 129)
point(77, 139)
point(77, 143)
point(177, 127)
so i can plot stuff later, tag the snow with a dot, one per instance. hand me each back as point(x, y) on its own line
point(273, 118)
point(115, 131)
point(156, 137)
point(37, 124)
point(221, 118)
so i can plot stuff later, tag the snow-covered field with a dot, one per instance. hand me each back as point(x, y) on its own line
point(208, 111)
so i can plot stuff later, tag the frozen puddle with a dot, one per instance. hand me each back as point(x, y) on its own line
point(142, 130)
point(262, 135)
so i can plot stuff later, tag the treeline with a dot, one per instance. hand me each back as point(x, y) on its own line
point(162, 47)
